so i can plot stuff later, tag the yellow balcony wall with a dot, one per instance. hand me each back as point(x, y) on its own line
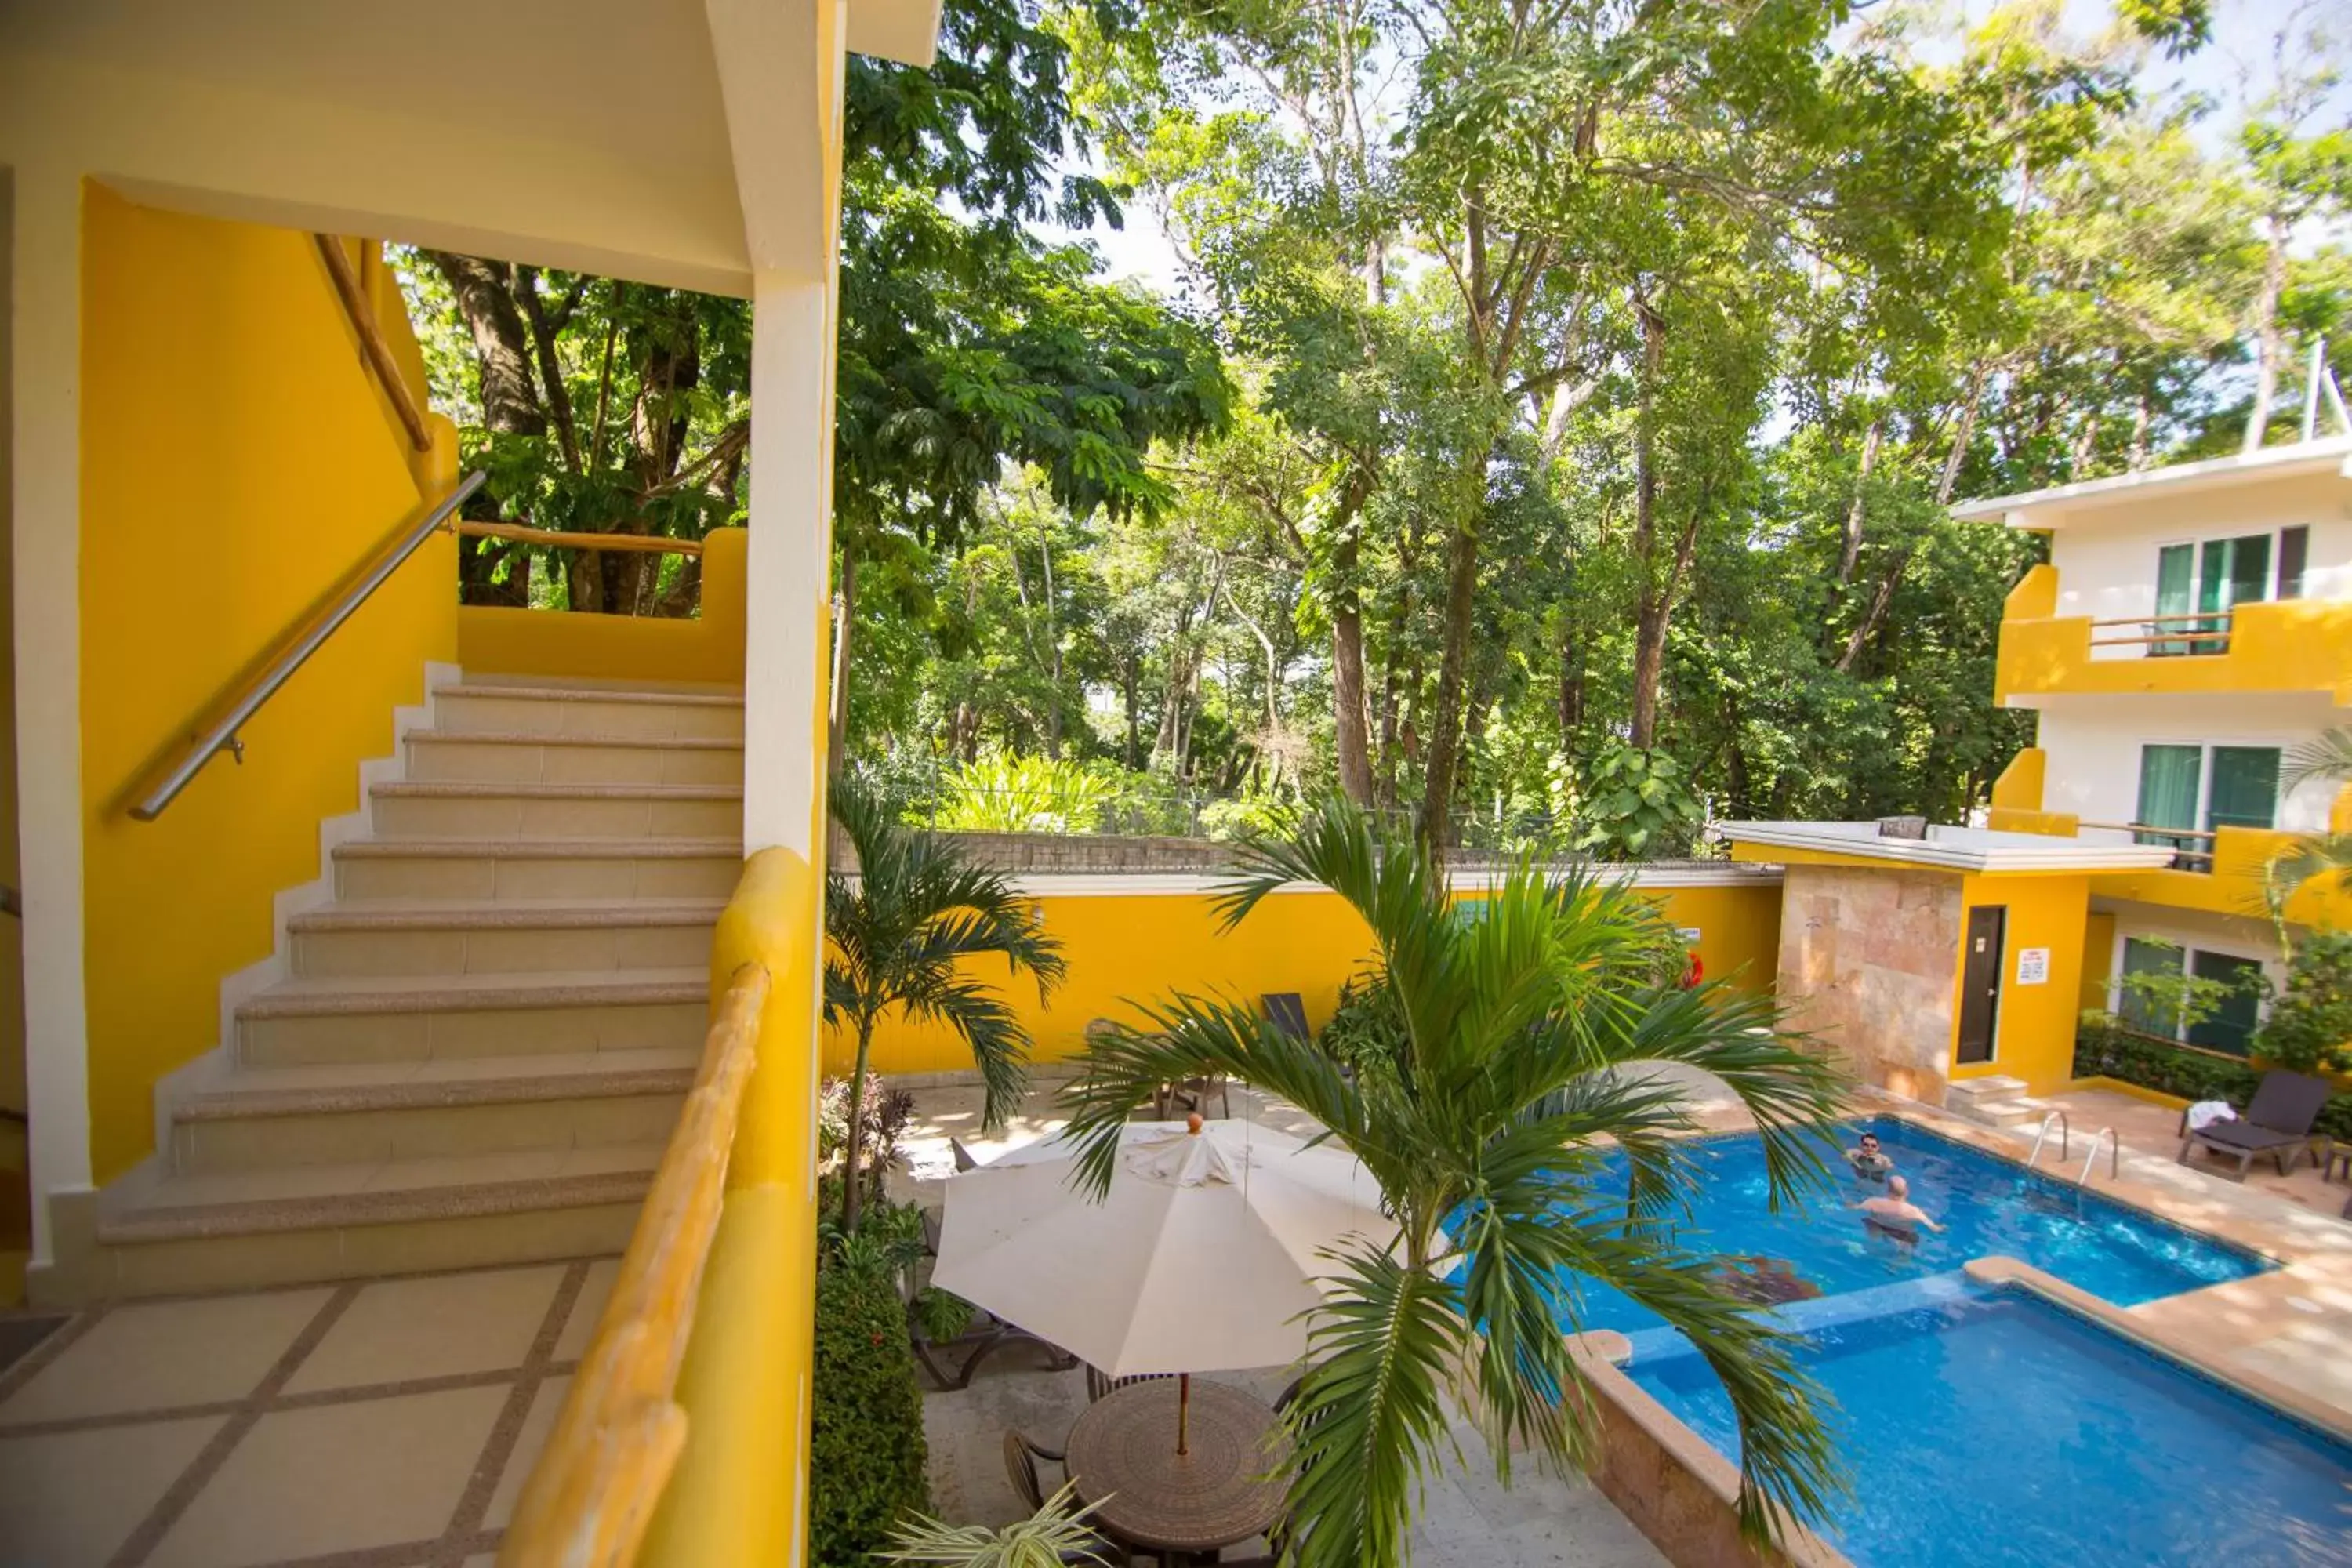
point(2241, 861)
point(706, 650)
point(237, 464)
point(2292, 645)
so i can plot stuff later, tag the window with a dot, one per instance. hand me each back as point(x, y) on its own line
point(2197, 585)
point(2187, 791)
point(2231, 1026)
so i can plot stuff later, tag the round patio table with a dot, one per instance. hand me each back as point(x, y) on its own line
point(1225, 1489)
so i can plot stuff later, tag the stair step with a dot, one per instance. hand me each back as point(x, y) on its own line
point(274, 1117)
point(541, 868)
point(352, 1020)
point(427, 938)
point(2002, 1112)
point(505, 757)
point(361, 1220)
point(1991, 1086)
point(602, 711)
point(465, 809)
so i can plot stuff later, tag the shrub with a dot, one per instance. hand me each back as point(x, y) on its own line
point(2310, 1020)
point(1006, 794)
point(2105, 1049)
point(1367, 1029)
point(866, 1451)
point(1636, 804)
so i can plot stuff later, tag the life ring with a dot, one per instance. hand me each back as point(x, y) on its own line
point(1695, 973)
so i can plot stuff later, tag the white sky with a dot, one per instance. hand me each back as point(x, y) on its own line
point(2240, 49)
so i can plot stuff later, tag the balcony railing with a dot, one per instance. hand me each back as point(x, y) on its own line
point(2285, 644)
point(2191, 850)
point(2203, 632)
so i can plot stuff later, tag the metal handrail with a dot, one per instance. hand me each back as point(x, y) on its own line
point(2066, 1138)
point(2091, 1157)
point(221, 735)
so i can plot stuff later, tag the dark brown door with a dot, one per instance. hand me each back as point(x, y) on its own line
point(1980, 982)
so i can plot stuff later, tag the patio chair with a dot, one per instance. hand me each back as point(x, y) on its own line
point(1021, 1456)
point(1187, 1095)
point(982, 1337)
point(1287, 1013)
point(2279, 1121)
point(1100, 1383)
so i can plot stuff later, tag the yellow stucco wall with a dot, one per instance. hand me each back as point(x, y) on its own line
point(1140, 947)
point(237, 466)
point(706, 650)
point(2035, 1030)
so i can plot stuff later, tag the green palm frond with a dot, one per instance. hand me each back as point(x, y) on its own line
point(2327, 758)
point(1534, 1040)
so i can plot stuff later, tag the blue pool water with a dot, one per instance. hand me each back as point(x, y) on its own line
point(1987, 1207)
point(1992, 1430)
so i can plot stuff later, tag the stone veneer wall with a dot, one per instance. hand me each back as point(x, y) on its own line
point(1867, 964)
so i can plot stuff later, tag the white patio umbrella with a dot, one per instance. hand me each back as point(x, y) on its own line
point(1201, 1259)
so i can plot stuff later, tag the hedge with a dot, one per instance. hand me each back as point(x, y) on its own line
point(867, 1453)
point(2104, 1050)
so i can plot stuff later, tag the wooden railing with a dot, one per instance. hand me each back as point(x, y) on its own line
point(522, 533)
point(2184, 858)
point(378, 352)
point(597, 1483)
point(2206, 631)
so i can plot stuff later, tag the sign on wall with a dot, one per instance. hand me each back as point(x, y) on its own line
point(1689, 934)
point(2034, 966)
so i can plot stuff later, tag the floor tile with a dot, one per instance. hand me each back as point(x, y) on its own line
point(337, 1477)
point(536, 1426)
point(397, 1330)
point(580, 1327)
point(159, 1354)
point(72, 1498)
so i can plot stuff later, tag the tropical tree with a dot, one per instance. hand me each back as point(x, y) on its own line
point(1486, 1137)
point(2311, 857)
point(902, 931)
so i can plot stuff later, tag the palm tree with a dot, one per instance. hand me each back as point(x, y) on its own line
point(1487, 1139)
point(2309, 857)
point(901, 932)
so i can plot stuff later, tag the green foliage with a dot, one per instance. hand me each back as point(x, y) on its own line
point(899, 934)
point(1489, 1139)
point(1367, 1031)
point(2175, 999)
point(2310, 1024)
point(1635, 805)
point(2105, 1048)
point(1056, 1534)
point(867, 1451)
point(943, 1314)
point(1006, 794)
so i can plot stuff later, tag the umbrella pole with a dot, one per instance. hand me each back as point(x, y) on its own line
point(1183, 1410)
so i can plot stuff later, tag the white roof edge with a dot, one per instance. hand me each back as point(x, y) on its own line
point(1980, 850)
point(2012, 510)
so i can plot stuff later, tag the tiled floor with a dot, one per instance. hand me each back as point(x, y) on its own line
point(384, 1424)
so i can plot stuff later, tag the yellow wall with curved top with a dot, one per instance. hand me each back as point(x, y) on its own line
point(707, 650)
point(236, 467)
point(1127, 948)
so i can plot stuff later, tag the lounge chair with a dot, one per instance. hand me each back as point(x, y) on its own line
point(982, 1337)
point(1021, 1456)
point(2279, 1121)
point(1287, 1013)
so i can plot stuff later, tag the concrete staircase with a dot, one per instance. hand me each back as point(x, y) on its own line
point(480, 1045)
point(1994, 1101)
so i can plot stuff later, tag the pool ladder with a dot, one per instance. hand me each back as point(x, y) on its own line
point(2114, 1155)
point(2066, 1138)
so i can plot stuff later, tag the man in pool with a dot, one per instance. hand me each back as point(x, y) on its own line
point(1868, 1159)
point(1894, 1213)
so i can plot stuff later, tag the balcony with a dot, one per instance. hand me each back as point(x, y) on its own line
point(2293, 645)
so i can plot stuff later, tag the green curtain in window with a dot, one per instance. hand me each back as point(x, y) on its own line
point(2232, 1027)
point(2168, 777)
point(2148, 958)
point(2176, 589)
point(2245, 787)
point(2231, 572)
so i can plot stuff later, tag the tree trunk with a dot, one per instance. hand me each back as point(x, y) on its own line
point(1445, 742)
point(1650, 606)
point(849, 1149)
point(1129, 670)
point(511, 406)
point(1867, 626)
point(1850, 544)
point(1348, 720)
point(2266, 330)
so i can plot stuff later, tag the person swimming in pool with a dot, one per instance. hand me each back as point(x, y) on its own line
point(1869, 1160)
point(1894, 1213)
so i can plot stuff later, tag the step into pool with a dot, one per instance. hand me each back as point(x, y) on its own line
point(1989, 1428)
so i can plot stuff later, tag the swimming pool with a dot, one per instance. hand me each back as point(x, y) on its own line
point(1991, 1429)
point(1987, 1207)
